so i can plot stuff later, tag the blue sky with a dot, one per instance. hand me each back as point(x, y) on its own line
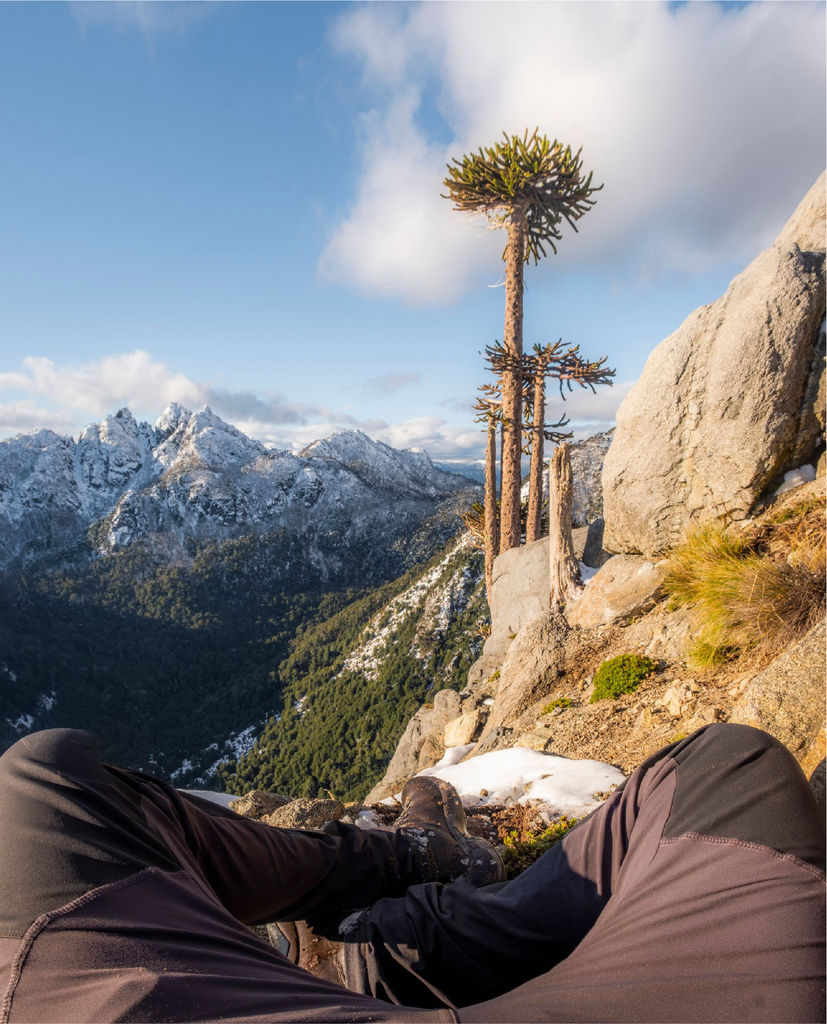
point(238, 203)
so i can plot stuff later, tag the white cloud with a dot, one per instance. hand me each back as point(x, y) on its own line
point(583, 406)
point(390, 383)
point(132, 379)
point(150, 17)
point(706, 126)
point(27, 417)
point(65, 398)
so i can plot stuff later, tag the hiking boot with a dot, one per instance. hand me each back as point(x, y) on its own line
point(317, 946)
point(434, 818)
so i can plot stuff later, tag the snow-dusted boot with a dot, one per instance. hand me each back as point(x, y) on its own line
point(433, 817)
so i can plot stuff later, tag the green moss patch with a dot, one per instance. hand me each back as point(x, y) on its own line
point(620, 675)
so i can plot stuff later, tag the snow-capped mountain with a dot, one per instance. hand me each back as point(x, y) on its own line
point(193, 478)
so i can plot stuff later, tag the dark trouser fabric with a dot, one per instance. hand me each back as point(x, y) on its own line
point(694, 893)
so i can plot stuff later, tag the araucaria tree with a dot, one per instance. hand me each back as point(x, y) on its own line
point(529, 186)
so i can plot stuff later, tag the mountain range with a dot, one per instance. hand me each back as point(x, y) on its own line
point(193, 479)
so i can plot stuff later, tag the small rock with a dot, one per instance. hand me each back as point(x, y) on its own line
point(258, 803)
point(463, 729)
point(306, 813)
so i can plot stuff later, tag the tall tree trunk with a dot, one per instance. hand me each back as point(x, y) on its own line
point(564, 569)
point(512, 385)
point(492, 525)
point(499, 489)
point(535, 475)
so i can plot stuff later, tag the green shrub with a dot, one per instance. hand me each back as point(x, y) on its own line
point(620, 675)
point(520, 853)
point(561, 702)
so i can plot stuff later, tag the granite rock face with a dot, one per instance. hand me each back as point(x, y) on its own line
point(726, 402)
point(405, 761)
point(787, 698)
point(534, 663)
point(626, 586)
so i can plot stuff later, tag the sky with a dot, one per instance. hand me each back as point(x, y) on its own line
point(239, 204)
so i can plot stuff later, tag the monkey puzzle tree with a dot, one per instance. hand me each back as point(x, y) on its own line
point(527, 185)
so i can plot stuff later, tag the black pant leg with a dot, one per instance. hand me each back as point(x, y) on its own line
point(728, 800)
point(72, 823)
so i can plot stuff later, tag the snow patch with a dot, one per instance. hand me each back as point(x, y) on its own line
point(452, 597)
point(225, 799)
point(555, 785)
point(451, 756)
point(795, 478)
point(587, 573)
point(23, 724)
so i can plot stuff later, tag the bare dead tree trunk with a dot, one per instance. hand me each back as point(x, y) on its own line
point(535, 475)
point(512, 385)
point(564, 569)
point(492, 524)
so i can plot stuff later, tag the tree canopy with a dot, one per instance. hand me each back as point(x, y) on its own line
point(526, 176)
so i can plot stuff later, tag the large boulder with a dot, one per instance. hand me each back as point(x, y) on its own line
point(786, 699)
point(726, 402)
point(519, 594)
point(626, 586)
point(258, 803)
point(531, 670)
point(305, 813)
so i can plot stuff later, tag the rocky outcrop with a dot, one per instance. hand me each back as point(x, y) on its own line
point(725, 403)
point(304, 813)
point(787, 698)
point(626, 586)
point(534, 663)
point(405, 761)
point(520, 591)
point(258, 803)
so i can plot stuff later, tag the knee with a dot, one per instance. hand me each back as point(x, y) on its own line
point(56, 749)
point(721, 742)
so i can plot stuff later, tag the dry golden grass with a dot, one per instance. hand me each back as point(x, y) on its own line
point(746, 602)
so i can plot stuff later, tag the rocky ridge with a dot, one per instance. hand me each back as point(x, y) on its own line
point(192, 478)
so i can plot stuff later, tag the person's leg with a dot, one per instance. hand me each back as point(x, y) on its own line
point(116, 900)
point(72, 823)
point(694, 893)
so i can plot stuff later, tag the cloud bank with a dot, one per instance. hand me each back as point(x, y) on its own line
point(705, 124)
point(65, 398)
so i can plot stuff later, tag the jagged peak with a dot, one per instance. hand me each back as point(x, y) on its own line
point(340, 443)
point(171, 418)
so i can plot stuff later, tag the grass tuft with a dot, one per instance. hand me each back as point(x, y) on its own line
point(745, 601)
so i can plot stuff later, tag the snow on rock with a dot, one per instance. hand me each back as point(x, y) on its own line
point(795, 478)
point(586, 572)
point(555, 785)
point(451, 756)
